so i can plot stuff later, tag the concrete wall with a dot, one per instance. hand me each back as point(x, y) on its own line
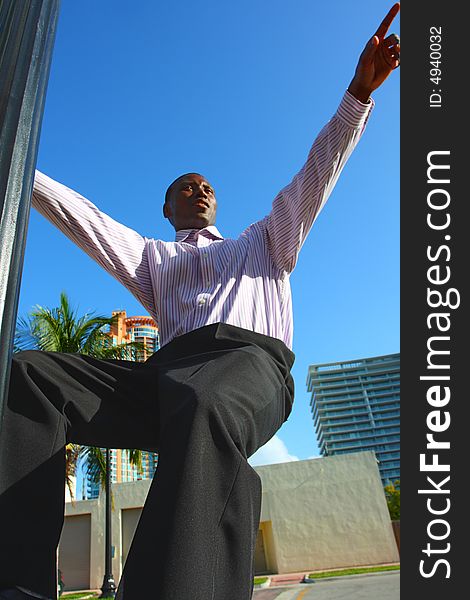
point(125, 496)
point(326, 513)
point(323, 513)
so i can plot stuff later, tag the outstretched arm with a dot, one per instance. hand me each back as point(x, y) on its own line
point(118, 249)
point(297, 206)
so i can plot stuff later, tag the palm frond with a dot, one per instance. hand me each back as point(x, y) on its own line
point(72, 455)
point(95, 464)
point(24, 337)
point(126, 351)
point(95, 467)
point(135, 458)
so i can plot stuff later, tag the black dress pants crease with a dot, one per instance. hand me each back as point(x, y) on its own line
point(206, 402)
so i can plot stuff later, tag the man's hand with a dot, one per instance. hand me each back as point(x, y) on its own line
point(378, 59)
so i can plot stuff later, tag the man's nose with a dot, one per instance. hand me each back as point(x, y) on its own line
point(201, 190)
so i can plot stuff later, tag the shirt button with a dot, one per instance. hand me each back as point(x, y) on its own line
point(201, 301)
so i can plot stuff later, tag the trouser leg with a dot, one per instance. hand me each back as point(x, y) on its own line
point(56, 398)
point(197, 533)
point(212, 400)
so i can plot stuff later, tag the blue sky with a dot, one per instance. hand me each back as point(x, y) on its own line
point(142, 92)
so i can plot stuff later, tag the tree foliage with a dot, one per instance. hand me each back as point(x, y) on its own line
point(392, 493)
point(61, 329)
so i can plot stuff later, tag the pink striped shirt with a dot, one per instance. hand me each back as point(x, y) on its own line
point(201, 277)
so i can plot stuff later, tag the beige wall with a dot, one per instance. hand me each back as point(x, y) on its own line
point(74, 556)
point(323, 513)
point(326, 513)
point(126, 496)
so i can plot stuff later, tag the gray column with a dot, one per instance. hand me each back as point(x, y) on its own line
point(27, 31)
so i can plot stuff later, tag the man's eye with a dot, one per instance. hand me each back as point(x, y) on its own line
point(209, 190)
point(187, 187)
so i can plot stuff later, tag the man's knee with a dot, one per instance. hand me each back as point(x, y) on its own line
point(242, 381)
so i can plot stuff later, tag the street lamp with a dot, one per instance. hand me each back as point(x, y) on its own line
point(27, 33)
point(108, 589)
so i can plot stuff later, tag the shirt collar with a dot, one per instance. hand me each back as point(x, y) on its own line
point(186, 235)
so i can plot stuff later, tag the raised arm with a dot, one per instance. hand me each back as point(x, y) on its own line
point(118, 249)
point(297, 206)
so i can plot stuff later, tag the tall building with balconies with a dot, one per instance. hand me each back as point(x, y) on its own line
point(135, 329)
point(356, 406)
point(124, 330)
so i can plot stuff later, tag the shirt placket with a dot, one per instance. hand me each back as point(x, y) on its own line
point(203, 298)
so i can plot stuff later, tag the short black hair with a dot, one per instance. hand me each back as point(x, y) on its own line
point(170, 187)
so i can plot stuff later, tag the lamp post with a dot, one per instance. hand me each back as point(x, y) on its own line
point(108, 589)
point(27, 32)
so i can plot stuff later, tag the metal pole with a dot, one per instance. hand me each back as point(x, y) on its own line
point(27, 31)
point(108, 589)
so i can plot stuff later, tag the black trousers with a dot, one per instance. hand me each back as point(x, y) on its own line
point(206, 402)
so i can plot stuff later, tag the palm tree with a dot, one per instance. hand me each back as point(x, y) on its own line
point(60, 329)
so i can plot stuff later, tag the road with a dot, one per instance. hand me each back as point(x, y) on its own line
point(360, 587)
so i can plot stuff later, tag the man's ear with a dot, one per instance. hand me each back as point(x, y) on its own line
point(166, 210)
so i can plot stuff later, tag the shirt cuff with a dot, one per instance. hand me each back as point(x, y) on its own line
point(353, 112)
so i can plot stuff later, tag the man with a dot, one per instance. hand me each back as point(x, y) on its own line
point(218, 389)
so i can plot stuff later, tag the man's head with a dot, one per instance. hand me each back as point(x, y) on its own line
point(190, 202)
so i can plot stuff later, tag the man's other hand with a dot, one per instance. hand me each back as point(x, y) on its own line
point(378, 59)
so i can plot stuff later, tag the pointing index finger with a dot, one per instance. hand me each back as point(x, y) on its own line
point(384, 26)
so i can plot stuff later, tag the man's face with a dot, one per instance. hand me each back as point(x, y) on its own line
point(191, 203)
